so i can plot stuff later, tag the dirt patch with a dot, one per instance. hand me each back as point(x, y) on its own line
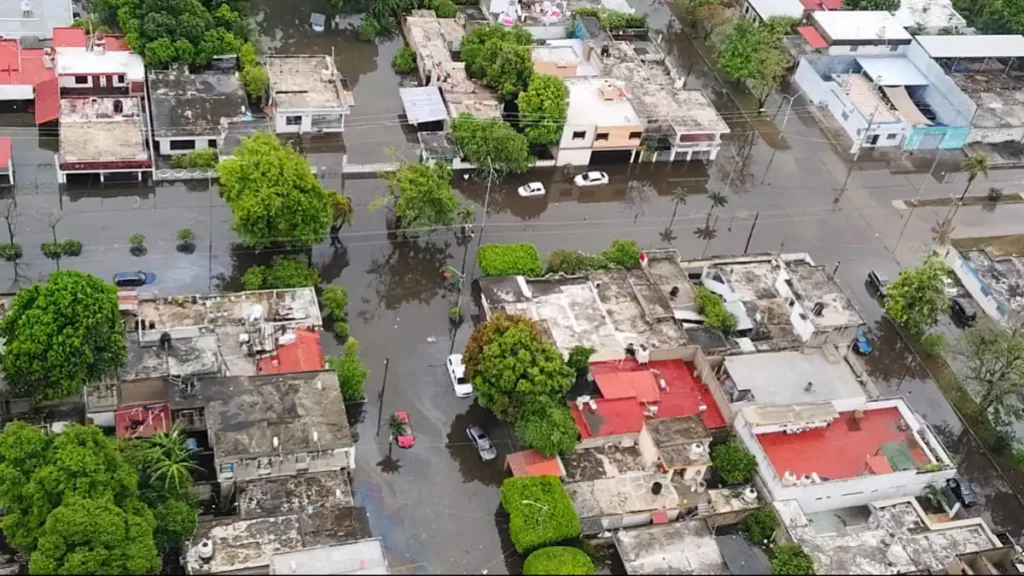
point(994, 246)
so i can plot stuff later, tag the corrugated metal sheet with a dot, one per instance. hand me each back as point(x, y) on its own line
point(47, 101)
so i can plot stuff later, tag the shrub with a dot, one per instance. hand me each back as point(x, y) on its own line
point(404, 61)
point(341, 329)
point(52, 250)
point(733, 464)
point(791, 559)
point(540, 512)
point(934, 343)
point(205, 158)
point(573, 262)
point(71, 247)
point(137, 240)
point(351, 372)
point(284, 272)
point(455, 314)
point(444, 8)
point(558, 560)
point(335, 300)
point(11, 251)
point(369, 28)
point(623, 253)
point(186, 236)
point(613, 19)
point(713, 309)
point(994, 194)
point(509, 260)
point(760, 525)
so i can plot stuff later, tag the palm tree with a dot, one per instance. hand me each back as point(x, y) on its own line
point(341, 208)
point(396, 426)
point(679, 196)
point(718, 200)
point(168, 458)
point(974, 165)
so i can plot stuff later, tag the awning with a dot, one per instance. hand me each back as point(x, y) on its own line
point(812, 36)
point(909, 111)
point(893, 72)
point(423, 104)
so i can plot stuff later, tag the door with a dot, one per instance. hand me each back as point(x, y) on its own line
point(872, 140)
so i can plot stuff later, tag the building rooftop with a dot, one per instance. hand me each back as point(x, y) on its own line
point(1000, 98)
point(142, 420)
point(783, 377)
point(676, 548)
point(980, 46)
point(931, 15)
point(88, 60)
point(768, 8)
point(327, 491)
point(99, 129)
point(889, 537)
point(306, 83)
point(864, 95)
point(676, 439)
point(876, 26)
point(201, 104)
point(432, 39)
point(621, 495)
point(733, 499)
point(21, 66)
point(423, 104)
point(304, 354)
point(567, 53)
point(467, 96)
point(532, 463)
point(45, 15)
point(627, 412)
point(5, 154)
point(599, 100)
point(605, 461)
point(362, 557)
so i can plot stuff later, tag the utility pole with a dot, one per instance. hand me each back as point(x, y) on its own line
point(483, 224)
point(751, 235)
point(920, 192)
point(856, 156)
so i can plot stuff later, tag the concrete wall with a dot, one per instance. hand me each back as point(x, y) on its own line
point(93, 81)
point(618, 136)
point(622, 439)
point(995, 135)
point(567, 141)
point(575, 157)
point(547, 32)
point(553, 69)
point(878, 50)
point(163, 145)
point(951, 104)
point(705, 370)
point(648, 449)
point(305, 126)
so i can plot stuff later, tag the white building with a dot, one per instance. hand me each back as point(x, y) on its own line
point(192, 111)
point(307, 95)
point(88, 65)
point(825, 459)
point(762, 10)
point(861, 32)
point(600, 120)
point(929, 16)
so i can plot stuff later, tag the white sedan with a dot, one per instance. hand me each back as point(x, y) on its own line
point(532, 189)
point(457, 372)
point(591, 179)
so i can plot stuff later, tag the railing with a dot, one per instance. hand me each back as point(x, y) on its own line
point(185, 174)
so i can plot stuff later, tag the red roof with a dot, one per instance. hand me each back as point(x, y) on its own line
point(47, 101)
point(142, 420)
point(5, 153)
point(532, 463)
point(68, 38)
point(302, 355)
point(845, 449)
point(815, 5)
point(22, 67)
point(624, 413)
point(813, 37)
point(116, 43)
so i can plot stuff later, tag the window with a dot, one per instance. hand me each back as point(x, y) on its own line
point(120, 78)
point(80, 80)
point(891, 136)
point(183, 144)
point(293, 120)
point(212, 143)
point(579, 135)
point(854, 48)
point(635, 135)
point(602, 137)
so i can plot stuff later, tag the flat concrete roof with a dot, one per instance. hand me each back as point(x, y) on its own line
point(1000, 98)
point(74, 60)
point(676, 548)
point(932, 15)
point(864, 95)
point(363, 557)
point(622, 495)
point(877, 26)
point(423, 104)
point(599, 102)
point(605, 461)
point(681, 430)
point(566, 52)
point(980, 46)
point(305, 83)
point(201, 104)
point(44, 17)
point(91, 131)
point(286, 495)
point(892, 71)
point(814, 284)
point(782, 377)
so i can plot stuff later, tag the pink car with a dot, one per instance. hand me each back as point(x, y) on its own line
point(406, 439)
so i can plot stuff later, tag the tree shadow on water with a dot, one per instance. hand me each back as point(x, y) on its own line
point(411, 272)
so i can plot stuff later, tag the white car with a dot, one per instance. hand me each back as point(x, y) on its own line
point(532, 189)
point(591, 179)
point(457, 372)
point(950, 287)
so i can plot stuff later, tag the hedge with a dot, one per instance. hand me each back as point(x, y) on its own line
point(558, 560)
point(509, 260)
point(540, 512)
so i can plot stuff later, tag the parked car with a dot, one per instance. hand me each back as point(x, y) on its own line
point(878, 281)
point(864, 346)
point(949, 285)
point(963, 490)
point(457, 373)
point(591, 179)
point(532, 189)
point(484, 447)
point(133, 279)
point(407, 438)
point(962, 311)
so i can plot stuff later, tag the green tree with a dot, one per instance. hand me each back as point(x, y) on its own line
point(558, 560)
point(711, 14)
point(404, 61)
point(886, 5)
point(624, 253)
point(341, 209)
point(509, 260)
point(510, 73)
point(915, 299)
point(369, 28)
point(159, 53)
point(421, 196)
point(760, 525)
point(540, 512)
point(716, 315)
point(542, 109)
point(479, 49)
point(185, 31)
point(169, 461)
point(974, 165)
point(444, 8)
point(492, 145)
point(351, 372)
point(992, 362)
point(733, 464)
point(176, 520)
point(61, 335)
point(790, 559)
point(511, 365)
point(335, 300)
point(548, 427)
point(273, 195)
point(753, 53)
point(679, 196)
point(284, 272)
point(579, 359)
point(718, 200)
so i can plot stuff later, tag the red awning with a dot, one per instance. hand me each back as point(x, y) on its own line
point(47, 101)
point(812, 36)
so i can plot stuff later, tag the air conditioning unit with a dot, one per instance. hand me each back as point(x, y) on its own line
point(302, 463)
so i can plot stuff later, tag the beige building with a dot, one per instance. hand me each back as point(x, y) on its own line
point(568, 58)
point(600, 119)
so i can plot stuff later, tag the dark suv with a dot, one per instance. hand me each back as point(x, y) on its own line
point(962, 311)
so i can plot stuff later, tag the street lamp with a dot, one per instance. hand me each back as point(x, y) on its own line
point(788, 110)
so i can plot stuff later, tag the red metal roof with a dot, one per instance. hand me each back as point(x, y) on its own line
point(47, 101)
point(302, 355)
point(5, 153)
point(142, 420)
point(68, 38)
point(640, 385)
point(22, 67)
point(813, 37)
point(116, 43)
point(532, 463)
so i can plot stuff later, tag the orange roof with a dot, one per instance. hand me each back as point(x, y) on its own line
point(532, 463)
point(878, 464)
point(22, 67)
point(142, 420)
point(47, 101)
point(617, 385)
point(116, 43)
point(302, 355)
point(68, 37)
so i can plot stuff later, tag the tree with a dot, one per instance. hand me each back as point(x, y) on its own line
point(185, 31)
point(395, 426)
point(351, 372)
point(718, 200)
point(511, 364)
point(542, 109)
point(284, 272)
point(404, 61)
point(479, 49)
point(254, 76)
point(335, 300)
point(558, 560)
point(760, 525)
point(733, 464)
point(421, 196)
point(540, 512)
point(548, 427)
point(61, 336)
point(169, 461)
point(790, 559)
point(341, 209)
point(444, 8)
point(752, 52)
point(915, 299)
point(974, 165)
point(711, 14)
point(886, 5)
point(679, 196)
point(510, 73)
point(579, 359)
point(273, 195)
point(624, 253)
point(992, 361)
point(492, 145)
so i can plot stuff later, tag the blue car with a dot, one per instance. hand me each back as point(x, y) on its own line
point(864, 346)
point(133, 279)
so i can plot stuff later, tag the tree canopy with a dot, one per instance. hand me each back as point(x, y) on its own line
point(753, 52)
point(992, 362)
point(351, 372)
point(542, 109)
point(886, 5)
point(915, 299)
point(284, 272)
point(61, 335)
point(732, 463)
point(492, 145)
point(273, 194)
point(509, 260)
point(480, 48)
point(421, 196)
point(791, 560)
point(548, 427)
point(511, 365)
point(993, 16)
point(558, 560)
